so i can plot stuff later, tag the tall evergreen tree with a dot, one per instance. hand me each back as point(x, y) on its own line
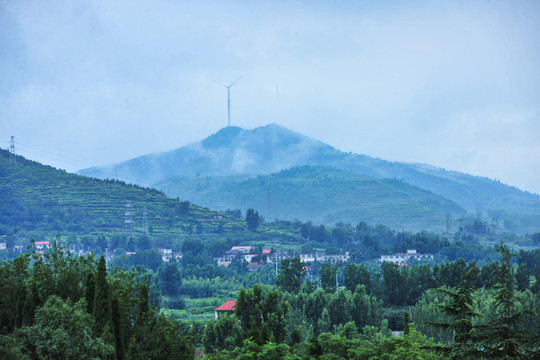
point(503, 338)
point(118, 328)
point(252, 219)
point(460, 310)
point(90, 291)
point(102, 302)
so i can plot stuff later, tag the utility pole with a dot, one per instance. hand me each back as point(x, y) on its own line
point(337, 288)
point(403, 239)
point(268, 201)
point(276, 261)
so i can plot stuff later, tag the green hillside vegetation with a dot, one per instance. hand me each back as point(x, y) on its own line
point(40, 202)
point(233, 154)
point(329, 195)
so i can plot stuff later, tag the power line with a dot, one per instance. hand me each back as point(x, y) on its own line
point(42, 153)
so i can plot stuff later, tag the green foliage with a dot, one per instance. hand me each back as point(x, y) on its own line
point(102, 303)
point(261, 314)
point(328, 195)
point(54, 287)
point(62, 330)
point(328, 277)
point(170, 279)
point(460, 311)
point(252, 219)
point(41, 201)
point(357, 275)
point(504, 337)
point(291, 274)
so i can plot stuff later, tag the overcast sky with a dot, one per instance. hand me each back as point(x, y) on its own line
point(452, 84)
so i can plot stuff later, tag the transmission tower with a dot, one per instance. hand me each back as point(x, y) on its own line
point(145, 221)
point(128, 218)
point(12, 157)
point(268, 201)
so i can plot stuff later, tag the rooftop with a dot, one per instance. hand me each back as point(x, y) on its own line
point(226, 306)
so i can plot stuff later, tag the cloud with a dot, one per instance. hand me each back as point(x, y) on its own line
point(100, 82)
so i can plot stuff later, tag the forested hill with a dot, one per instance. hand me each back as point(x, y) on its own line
point(39, 201)
point(329, 195)
point(233, 154)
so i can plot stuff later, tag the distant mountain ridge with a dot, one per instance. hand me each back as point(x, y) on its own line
point(233, 155)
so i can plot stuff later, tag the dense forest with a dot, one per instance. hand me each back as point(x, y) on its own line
point(56, 305)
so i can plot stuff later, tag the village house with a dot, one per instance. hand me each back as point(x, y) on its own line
point(227, 307)
point(224, 260)
point(42, 244)
point(321, 257)
point(242, 249)
point(403, 258)
point(166, 255)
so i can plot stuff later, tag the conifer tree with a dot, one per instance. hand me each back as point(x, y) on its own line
point(460, 309)
point(90, 292)
point(503, 338)
point(102, 302)
point(118, 328)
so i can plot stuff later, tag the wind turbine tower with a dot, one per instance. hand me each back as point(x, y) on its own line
point(229, 100)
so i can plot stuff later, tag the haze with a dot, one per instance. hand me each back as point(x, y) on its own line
point(455, 85)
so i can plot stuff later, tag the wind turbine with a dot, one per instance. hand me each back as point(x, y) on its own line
point(229, 99)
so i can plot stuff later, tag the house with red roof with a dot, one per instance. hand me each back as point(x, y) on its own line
point(227, 307)
point(242, 249)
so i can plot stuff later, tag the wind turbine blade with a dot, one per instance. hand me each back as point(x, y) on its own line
point(237, 80)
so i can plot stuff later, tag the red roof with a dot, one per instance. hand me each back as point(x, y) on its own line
point(241, 248)
point(42, 243)
point(227, 306)
point(267, 251)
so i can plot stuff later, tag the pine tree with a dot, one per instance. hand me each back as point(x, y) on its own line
point(90, 292)
point(460, 309)
point(102, 303)
point(502, 337)
point(118, 328)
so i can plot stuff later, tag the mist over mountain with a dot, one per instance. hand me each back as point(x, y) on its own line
point(227, 160)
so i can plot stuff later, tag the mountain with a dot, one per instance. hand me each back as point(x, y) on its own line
point(328, 195)
point(233, 155)
point(39, 201)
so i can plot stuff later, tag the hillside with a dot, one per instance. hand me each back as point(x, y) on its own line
point(233, 155)
point(40, 201)
point(329, 195)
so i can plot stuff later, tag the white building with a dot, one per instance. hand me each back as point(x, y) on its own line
point(331, 258)
point(401, 258)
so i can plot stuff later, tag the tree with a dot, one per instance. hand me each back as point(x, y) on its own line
point(290, 275)
point(261, 314)
point(460, 310)
point(252, 219)
point(328, 277)
point(503, 337)
point(102, 302)
point(170, 279)
point(62, 330)
point(522, 277)
point(356, 275)
point(395, 291)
